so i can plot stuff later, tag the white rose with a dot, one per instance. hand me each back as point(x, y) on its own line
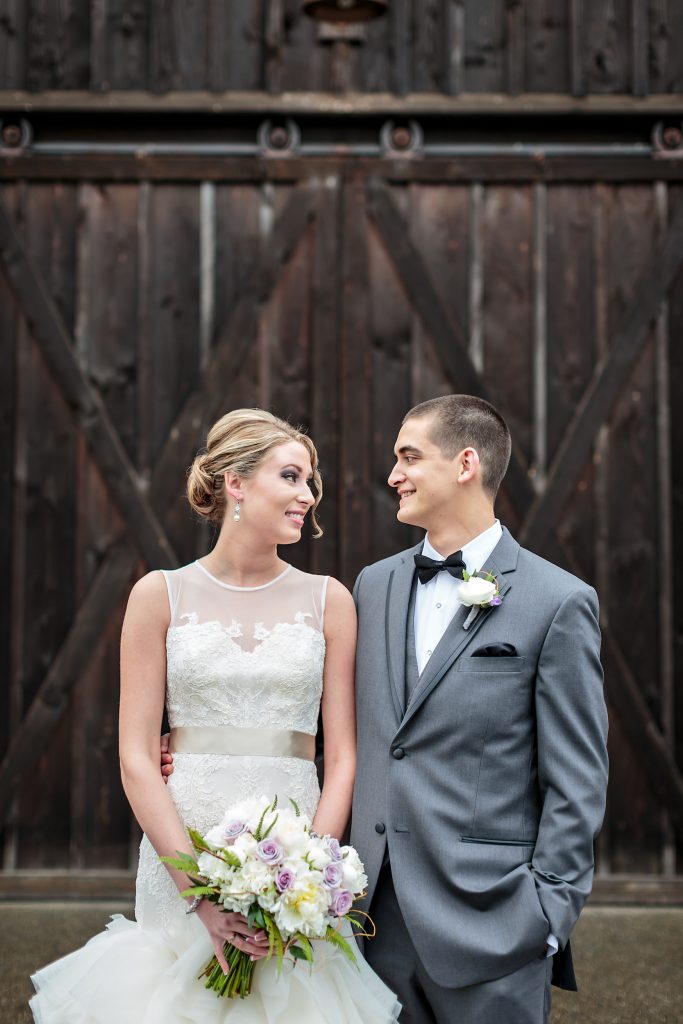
point(475, 591)
point(318, 857)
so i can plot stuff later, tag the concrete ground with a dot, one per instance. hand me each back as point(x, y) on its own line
point(629, 961)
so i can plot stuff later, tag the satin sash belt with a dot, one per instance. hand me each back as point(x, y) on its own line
point(231, 739)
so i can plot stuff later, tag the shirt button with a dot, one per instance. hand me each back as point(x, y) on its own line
point(380, 828)
point(398, 753)
point(429, 654)
point(439, 604)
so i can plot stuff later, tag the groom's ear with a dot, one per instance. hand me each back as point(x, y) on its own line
point(467, 464)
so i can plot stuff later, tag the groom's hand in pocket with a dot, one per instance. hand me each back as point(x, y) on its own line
point(166, 757)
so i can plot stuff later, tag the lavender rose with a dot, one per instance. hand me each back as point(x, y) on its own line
point(332, 875)
point(233, 829)
point(284, 880)
point(342, 902)
point(333, 848)
point(270, 851)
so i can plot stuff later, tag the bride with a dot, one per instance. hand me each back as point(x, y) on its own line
point(244, 650)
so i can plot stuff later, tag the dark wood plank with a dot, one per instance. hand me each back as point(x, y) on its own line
point(571, 349)
point(439, 219)
point(48, 437)
point(608, 381)
point(58, 52)
point(295, 59)
point(635, 840)
point(640, 47)
point(515, 48)
point(607, 46)
point(325, 362)
point(10, 327)
point(354, 389)
point(454, 42)
point(50, 700)
point(508, 359)
point(395, 357)
point(638, 890)
point(287, 325)
point(577, 31)
point(547, 46)
point(179, 44)
point(236, 44)
point(428, 51)
point(127, 45)
point(106, 342)
point(339, 107)
point(675, 353)
point(98, 55)
point(68, 885)
point(374, 57)
point(48, 328)
point(400, 15)
point(13, 29)
point(448, 170)
point(169, 349)
point(484, 46)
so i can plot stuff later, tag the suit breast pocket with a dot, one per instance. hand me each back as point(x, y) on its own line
point(488, 666)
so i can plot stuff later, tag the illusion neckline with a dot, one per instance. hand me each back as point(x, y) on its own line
point(231, 586)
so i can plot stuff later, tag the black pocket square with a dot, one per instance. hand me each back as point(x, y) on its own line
point(495, 651)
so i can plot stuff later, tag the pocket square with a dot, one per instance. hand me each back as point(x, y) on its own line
point(495, 651)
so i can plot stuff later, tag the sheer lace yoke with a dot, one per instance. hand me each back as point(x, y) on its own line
point(245, 656)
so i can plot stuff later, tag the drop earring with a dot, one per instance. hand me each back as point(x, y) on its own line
point(237, 513)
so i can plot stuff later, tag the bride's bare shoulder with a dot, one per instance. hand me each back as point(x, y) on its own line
point(148, 599)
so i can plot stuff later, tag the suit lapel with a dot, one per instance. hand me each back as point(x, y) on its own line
point(398, 600)
point(501, 562)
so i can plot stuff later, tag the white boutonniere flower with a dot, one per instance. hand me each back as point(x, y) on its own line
point(479, 590)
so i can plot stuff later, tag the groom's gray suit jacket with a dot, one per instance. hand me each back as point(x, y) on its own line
point(488, 789)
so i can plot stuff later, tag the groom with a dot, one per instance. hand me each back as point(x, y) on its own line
point(482, 763)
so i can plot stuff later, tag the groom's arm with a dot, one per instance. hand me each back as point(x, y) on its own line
point(571, 723)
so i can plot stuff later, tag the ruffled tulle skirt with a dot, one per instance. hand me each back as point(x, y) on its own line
point(133, 975)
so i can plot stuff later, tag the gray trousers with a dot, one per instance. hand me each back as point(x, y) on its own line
point(522, 997)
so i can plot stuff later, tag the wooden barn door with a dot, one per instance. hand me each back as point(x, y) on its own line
point(136, 313)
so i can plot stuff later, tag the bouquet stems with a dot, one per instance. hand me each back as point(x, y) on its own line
point(238, 980)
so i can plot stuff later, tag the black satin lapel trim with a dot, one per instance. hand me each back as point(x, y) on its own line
point(450, 647)
point(398, 600)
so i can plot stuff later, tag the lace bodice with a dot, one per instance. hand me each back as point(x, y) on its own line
point(245, 656)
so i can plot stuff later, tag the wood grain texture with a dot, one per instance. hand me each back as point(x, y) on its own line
point(547, 46)
point(58, 44)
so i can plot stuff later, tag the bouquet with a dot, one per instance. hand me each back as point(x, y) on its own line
point(267, 863)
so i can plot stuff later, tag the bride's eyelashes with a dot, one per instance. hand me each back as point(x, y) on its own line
point(289, 474)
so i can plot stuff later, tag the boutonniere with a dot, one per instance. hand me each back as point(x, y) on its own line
point(478, 590)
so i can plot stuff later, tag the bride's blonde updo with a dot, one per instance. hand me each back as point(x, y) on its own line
point(238, 443)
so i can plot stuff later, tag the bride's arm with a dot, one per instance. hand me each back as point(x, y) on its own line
point(143, 688)
point(338, 709)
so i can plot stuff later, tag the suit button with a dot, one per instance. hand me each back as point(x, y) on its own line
point(380, 828)
point(398, 753)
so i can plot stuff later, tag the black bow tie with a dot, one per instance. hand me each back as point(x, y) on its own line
point(427, 568)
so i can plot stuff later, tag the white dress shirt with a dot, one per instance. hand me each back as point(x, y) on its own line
point(436, 603)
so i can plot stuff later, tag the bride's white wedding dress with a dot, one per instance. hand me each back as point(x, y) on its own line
point(244, 674)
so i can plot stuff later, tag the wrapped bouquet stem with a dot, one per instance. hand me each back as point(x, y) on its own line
point(265, 862)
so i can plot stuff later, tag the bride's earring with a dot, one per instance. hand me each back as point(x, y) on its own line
point(237, 513)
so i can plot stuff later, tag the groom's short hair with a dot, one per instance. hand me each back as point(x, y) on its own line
point(465, 421)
